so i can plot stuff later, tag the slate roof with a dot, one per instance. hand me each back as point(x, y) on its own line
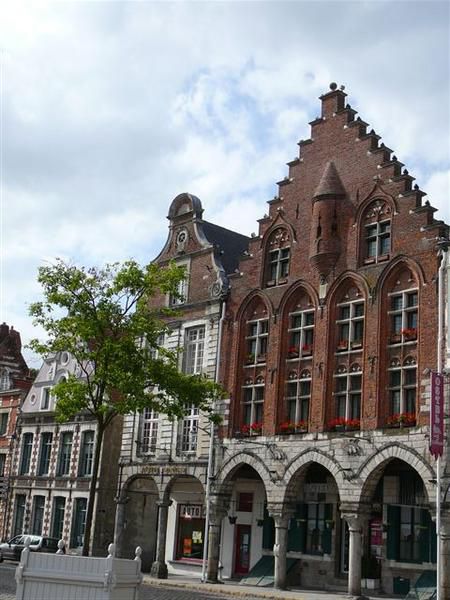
point(231, 243)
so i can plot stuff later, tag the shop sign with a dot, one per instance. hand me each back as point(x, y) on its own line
point(167, 470)
point(437, 415)
point(192, 511)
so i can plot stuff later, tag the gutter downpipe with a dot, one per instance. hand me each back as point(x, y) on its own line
point(211, 449)
point(443, 251)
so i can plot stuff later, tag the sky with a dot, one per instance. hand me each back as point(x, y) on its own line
point(111, 109)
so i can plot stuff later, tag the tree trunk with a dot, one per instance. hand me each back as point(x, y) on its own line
point(92, 489)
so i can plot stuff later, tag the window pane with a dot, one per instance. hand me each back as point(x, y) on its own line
point(396, 302)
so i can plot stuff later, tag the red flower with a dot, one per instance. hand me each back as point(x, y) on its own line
point(256, 427)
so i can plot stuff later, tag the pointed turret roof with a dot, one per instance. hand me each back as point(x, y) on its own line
point(330, 183)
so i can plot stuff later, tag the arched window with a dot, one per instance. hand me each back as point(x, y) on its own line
point(347, 393)
point(376, 232)
point(253, 405)
point(301, 329)
point(403, 316)
point(278, 257)
point(402, 391)
point(350, 321)
point(298, 396)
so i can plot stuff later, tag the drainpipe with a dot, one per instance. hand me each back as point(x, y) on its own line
point(211, 449)
point(443, 251)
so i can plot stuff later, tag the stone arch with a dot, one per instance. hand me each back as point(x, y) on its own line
point(372, 468)
point(296, 290)
point(141, 496)
point(373, 198)
point(187, 478)
point(347, 279)
point(254, 297)
point(304, 460)
point(234, 463)
point(395, 267)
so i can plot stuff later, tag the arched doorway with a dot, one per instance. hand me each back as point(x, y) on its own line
point(141, 516)
point(317, 538)
point(244, 531)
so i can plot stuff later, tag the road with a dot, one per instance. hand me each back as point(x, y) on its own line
point(148, 592)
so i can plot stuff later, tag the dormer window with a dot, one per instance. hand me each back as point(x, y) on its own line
point(377, 233)
point(4, 380)
point(278, 258)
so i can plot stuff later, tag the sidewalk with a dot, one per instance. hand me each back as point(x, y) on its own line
point(234, 589)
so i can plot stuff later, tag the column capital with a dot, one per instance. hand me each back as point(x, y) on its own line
point(281, 513)
point(355, 514)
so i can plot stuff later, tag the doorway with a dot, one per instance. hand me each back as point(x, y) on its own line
point(242, 549)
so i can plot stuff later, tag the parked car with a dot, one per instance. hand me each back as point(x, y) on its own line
point(11, 550)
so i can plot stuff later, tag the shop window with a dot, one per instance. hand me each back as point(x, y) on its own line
point(149, 431)
point(403, 387)
point(347, 392)
point(403, 316)
point(194, 343)
point(191, 532)
point(65, 453)
point(301, 334)
point(59, 505)
point(377, 232)
point(310, 529)
point(78, 522)
point(45, 452)
point(3, 423)
point(256, 340)
point(253, 404)
point(411, 535)
point(298, 396)
point(27, 446)
point(278, 257)
point(187, 437)
point(86, 454)
point(37, 518)
point(245, 502)
point(19, 513)
point(350, 325)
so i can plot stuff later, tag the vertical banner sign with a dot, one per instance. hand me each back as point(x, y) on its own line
point(437, 415)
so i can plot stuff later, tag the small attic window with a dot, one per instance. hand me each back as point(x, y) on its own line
point(376, 233)
point(5, 381)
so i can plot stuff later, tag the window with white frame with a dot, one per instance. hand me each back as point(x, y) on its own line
point(181, 296)
point(149, 431)
point(298, 395)
point(301, 333)
point(194, 344)
point(27, 447)
point(403, 386)
point(45, 398)
point(377, 232)
point(37, 518)
point(253, 402)
point(350, 324)
point(347, 392)
point(403, 316)
point(189, 430)
point(4, 416)
point(65, 453)
point(86, 454)
point(45, 453)
point(2, 464)
point(5, 381)
point(278, 257)
point(257, 340)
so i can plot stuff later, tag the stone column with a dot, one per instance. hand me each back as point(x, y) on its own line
point(356, 521)
point(119, 525)
point(159, 567)
point(279, 551)
point(445, 556)
point(215, 525)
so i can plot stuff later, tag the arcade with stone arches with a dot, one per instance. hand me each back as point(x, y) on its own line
point(318, 521)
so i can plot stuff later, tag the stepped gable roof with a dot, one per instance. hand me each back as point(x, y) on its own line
point(11, 348)
point(231, 243)
point(330, 183)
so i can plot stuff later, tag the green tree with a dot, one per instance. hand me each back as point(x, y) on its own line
point(110, 320)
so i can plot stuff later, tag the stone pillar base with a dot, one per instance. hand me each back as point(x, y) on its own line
point(159, 570)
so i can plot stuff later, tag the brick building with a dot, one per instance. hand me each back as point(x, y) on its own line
point(329, 338)
point(164, 463)
point(15, 380)
point(52, 467)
